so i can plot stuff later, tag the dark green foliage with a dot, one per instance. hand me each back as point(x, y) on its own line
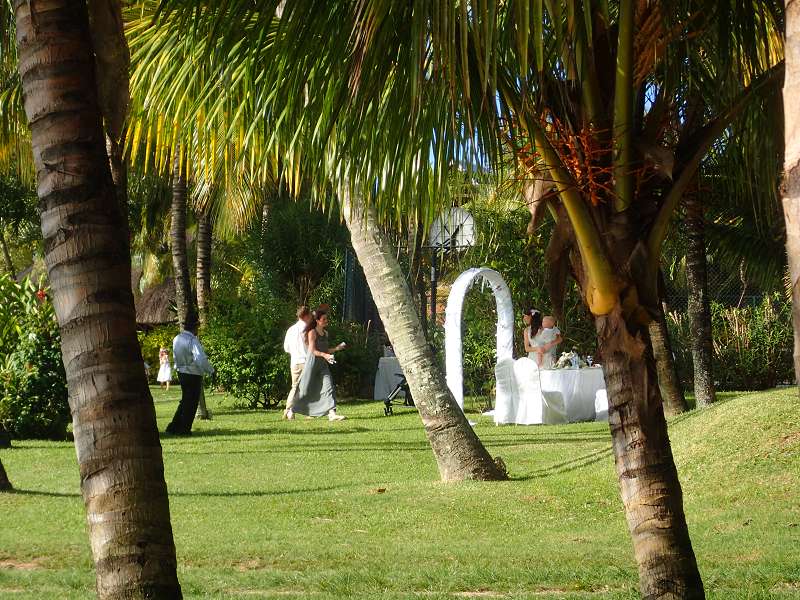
point(301, 246)
point(752, 345)
point(354, 371)
point(244, 342)
point(17, 204)
point(19, 220)
point(33, 389)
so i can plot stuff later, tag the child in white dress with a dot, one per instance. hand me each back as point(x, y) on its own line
point(545, 343)
point(164, 371)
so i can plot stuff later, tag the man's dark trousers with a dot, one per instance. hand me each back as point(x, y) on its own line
point(190, 396)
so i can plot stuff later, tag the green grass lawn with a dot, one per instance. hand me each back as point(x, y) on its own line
point(264, 508)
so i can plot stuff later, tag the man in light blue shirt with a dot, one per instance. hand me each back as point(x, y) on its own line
point(191, 363)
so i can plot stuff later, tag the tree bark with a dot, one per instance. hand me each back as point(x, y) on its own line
point(699, 311)
point(112, 61)
point(417, 278)
point(88, 262)
point(177, 238)
point(5, 484)
point(204, 237)
point(648, 479)
point(790, 190)
point(668, 381)
point(458, 451)
point(12, 272)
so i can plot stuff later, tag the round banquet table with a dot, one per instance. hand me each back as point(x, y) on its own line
point(386, 378)
point(578, 387)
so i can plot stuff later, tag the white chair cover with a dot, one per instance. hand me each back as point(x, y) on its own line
point(525, 403)
point(601, 405)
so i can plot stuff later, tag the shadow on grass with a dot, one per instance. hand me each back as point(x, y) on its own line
point(210, 494)
point(388, 446)
point(302, 448)
point(21, 492)
point(258, 493)
point(573, 464)
point(199, 434)
point(547, 438)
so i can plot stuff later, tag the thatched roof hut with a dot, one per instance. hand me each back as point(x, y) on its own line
point(156, 305)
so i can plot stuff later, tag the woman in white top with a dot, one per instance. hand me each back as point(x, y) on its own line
point(540, 338)
point(533, 323)
point(546, 341)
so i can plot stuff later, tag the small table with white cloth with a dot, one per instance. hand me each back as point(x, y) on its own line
point(387, 377)
point(578, 388)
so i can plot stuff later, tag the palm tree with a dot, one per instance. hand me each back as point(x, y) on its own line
point(458, 451)
point(593, 98)
point(88, 261)
point(668, 381)
point(239, 158)
point(9, 264)
point(204, 239)
point(5, 484)
point(791, 177)
point(184, 298)
point(699, 309)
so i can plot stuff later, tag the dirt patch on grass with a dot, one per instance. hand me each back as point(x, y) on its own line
point(786, 586)
point(21, 565)
point(793, 439)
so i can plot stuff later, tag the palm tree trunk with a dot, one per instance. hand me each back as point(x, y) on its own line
point(648, 479)
point(698, 308)
point(177, 238)
point(458, 451)
point(790, 190)
point(88, 262)
point(417, 279)
point(5, 484)
point(12, 272)
point(668, 381)
point(204, 237)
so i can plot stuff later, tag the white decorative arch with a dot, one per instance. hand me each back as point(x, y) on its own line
point(452, 330)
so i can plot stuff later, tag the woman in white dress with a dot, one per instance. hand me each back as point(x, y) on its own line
point(541, 337)
point(533, 323)
point(164, 370)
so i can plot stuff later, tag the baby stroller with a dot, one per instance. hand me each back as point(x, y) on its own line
point(402, 386)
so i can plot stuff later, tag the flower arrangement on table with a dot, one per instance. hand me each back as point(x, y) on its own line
point(570, 360)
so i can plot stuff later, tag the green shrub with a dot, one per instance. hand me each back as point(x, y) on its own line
point(244, 342)
point(752, 345)
point(354, 371)
point(33, 402)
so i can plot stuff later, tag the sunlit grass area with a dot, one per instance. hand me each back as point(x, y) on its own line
point(265, 508)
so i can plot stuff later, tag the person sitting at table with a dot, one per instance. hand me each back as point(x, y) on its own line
point(546, 341)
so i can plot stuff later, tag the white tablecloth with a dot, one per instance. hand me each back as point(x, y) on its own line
point(578, 388)
point(386, 378)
